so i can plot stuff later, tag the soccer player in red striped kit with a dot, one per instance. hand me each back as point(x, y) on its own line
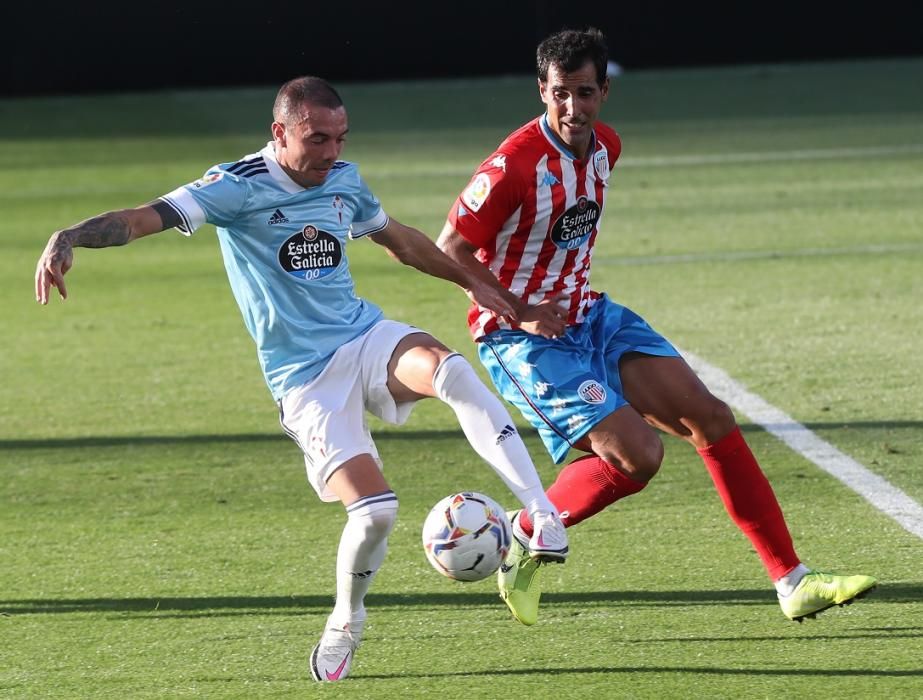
point(585, 371)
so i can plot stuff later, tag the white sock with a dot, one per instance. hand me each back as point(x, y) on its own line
point(490, 430)
point(788, 583)
point(363, 546)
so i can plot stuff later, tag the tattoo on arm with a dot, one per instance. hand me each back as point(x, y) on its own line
point(168, 215)
point(99, 232)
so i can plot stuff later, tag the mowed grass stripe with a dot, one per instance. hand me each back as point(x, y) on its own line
point(673, 161)
point(731, 256)
point(886, 497)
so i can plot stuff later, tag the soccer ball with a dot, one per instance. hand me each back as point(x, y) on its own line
point(466, 536)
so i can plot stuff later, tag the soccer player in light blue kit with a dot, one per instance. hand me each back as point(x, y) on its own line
point(284, 216)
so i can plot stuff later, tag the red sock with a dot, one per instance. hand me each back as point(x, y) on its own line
point(583, 488)
point(750, 502)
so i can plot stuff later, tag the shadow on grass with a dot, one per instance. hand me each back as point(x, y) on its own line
point(260, 605)
point(387, 434)
point(685, 670)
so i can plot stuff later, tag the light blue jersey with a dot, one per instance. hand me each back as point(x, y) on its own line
point(284, 250)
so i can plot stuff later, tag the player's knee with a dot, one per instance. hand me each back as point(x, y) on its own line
point(715, 421)
point(376, 515)
point(448, 369)
point(645, 462)
point(639, 462)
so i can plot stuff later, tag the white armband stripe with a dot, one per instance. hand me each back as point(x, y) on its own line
point(187, 207)
point(364, 228)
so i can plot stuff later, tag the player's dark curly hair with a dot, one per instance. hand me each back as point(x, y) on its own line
point(570, 50)
point(307, 89)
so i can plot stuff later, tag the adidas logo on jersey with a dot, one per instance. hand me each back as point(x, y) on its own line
point(277, 218)
point(508, 432)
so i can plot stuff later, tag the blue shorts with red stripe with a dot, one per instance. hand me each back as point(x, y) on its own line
point(565, 386)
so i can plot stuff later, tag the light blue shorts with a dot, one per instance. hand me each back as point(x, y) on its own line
point(564, 387)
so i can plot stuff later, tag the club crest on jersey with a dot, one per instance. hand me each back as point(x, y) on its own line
point(476, 192)
point(208, 179)
point(592, 391)
point(601, 161)
point(310, 254)
point(339, 205)
point(574, 226)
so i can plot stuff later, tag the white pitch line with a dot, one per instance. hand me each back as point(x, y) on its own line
point(887, 498)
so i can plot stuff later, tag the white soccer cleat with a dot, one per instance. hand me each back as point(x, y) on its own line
point(333, 655)
point(548, 543)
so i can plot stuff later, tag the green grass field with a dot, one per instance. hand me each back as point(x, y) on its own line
point(157, 535)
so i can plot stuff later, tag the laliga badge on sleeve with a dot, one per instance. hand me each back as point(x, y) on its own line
point(208, 179)
point(477, 192)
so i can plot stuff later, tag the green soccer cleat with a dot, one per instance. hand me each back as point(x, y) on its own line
point(518, 581)
point(818, 591)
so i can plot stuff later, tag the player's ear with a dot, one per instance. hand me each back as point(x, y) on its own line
point(541, 90)
point(278, 133)
point(604, 89)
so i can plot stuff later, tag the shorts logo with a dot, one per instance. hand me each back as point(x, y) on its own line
point(310, 254)
point(574, 226)
point(477, 192)
point(601, 161)
point(592, 391)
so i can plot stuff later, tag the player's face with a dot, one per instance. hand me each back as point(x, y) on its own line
point(307, 149)
point(573, 102)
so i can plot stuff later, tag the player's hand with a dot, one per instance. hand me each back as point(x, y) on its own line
point(548, 318)
point(56, 260)
point(501, 302)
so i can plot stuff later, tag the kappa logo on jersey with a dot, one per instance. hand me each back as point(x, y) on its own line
point(499, 162)
point(575, 225)
point(209, 179)
point(310, 254)
point(277, 218)
point(592, 391)
point(601, 161)
point(477, 192)
point(548, 180)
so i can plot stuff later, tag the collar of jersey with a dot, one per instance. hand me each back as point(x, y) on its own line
point(558, 143)
point(278, 174)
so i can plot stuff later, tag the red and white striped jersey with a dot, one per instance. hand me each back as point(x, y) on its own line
point(533, 211)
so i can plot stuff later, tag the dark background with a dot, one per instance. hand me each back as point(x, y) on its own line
point(61, 48)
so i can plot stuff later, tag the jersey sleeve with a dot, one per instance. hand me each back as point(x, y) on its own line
point(369, 216)
point(215, 198)
point(491, 197)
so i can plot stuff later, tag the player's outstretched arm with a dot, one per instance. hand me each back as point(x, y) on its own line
point(414, 248)
point(547, 318)
point(109, 229)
